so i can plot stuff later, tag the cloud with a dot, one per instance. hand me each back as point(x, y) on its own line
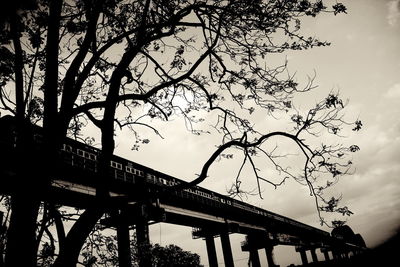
point(394, 91)
point(393, 16)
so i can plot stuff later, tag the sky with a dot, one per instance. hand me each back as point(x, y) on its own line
point(363, 63)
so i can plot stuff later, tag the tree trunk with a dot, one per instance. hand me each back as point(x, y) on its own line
point(21, 239)
point(21, 236)
point(76, 237)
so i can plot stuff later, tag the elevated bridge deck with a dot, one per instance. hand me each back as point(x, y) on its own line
point(154, 196)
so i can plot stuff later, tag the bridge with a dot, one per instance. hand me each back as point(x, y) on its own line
point(151, 196)
point(210, 220)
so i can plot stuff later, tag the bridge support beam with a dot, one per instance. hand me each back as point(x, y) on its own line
point(252, 246)
point(211, 252)
point(269, 251)
point(255, 241)
point(314, 255)
point(226, 249)
point(143, 242)
point(336, 254)
point(254, 257)
point(124, 251)
point(303, 255)
point(326, 253)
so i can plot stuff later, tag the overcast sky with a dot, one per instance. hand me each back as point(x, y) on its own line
point(363, 63)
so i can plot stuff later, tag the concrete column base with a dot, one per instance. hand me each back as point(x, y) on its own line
point(143, 242)
point(124, 249)
point(269, 251)
point(254, 258)
point(314, 255)
point(227, 250)
point(211, 252)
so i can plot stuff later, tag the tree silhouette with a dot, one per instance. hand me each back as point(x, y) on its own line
point(111, 63)
point(106, 253)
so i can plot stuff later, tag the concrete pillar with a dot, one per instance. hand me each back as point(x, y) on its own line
point(254, 257)
point(269, 251)
point(303, 256)
point(339, 255)
point(211, 252)
point(124, 251)
point(226, 249)
point(253, 250)
point(334, 256)
point(314, 255)
point(143, 243)
point(345, 254)
point(326, 254)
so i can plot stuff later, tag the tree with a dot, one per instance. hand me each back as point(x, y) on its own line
point(110, 63)
point(101, 250)
point(173, 255)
